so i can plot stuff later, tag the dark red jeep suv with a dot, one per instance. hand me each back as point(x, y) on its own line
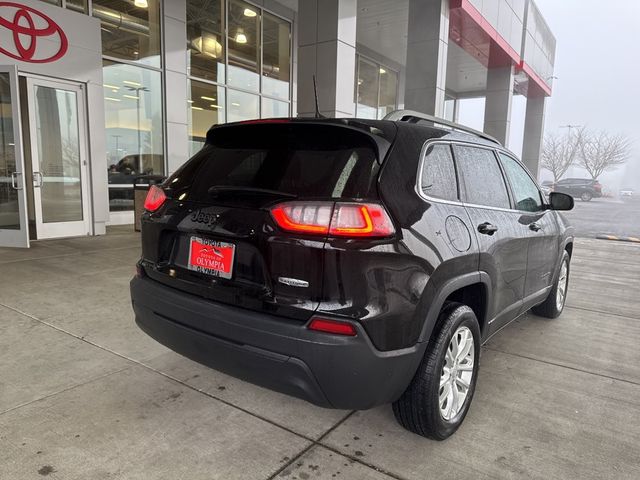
point(350, 262)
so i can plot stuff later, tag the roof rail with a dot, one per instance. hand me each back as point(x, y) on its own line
point(414, 117)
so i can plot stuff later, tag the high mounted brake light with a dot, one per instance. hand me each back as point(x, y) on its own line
point(341, 219)
point(155, 198)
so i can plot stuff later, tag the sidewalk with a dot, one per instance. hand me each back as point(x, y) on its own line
point(84, 394)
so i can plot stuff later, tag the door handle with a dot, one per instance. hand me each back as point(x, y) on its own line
point(487, 229)
point(535, 226)
point(37, 177)
point(14, 181)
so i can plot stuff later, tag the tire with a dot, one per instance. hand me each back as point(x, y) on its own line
point(419, 408)
point(586, 196)
point(552, 307)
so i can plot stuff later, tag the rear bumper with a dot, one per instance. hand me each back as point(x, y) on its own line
point(276, 353)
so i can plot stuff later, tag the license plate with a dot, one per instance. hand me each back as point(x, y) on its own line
point(211, 257)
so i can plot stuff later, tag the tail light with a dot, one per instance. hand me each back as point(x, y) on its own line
point(155, 198)
point(341, 219)
point(335, 327)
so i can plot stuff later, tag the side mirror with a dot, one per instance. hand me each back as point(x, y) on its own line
point(560, 201)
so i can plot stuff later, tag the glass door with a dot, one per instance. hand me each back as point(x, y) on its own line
point(13, 200)
point(58, 148)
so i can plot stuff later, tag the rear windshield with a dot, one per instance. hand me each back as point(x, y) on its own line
point(308, 161)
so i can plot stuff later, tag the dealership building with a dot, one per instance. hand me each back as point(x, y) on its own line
point(95, 93)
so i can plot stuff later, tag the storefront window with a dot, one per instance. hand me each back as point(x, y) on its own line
point(133, 121)
point(206, 39)
point(9, 213)
point(388, 91)
point(130, 29)
point(242, 106)
point(367, 89)
point(276, 55)
point(244, 54)
point(206, 108)
point(274, 108)
point(376, 89)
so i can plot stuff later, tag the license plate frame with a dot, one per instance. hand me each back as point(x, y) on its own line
point(211, 257)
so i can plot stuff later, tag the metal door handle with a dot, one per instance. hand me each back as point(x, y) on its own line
point(37, 177)
point(487, 229)
point(534, 226)
point(14, 181)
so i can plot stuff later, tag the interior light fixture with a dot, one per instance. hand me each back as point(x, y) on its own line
point(235, 104)
point(132, 97)
point(382, 70)
point(249, 13)
point(240, 37)
point(111, 99)
point(114, 87)
point(196, 108)
point(204, 97)
point(131, 82)
point(215, 106)
point(141, 3)
point(190, 101)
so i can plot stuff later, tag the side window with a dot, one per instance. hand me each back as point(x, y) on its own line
point(482, 177)
point(438, 173)
point(525, 191)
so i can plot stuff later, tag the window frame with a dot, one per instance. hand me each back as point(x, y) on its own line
point(543, 204)
point(460, 180)
point(421, 165)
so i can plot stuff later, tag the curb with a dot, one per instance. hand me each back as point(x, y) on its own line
point(618, 239)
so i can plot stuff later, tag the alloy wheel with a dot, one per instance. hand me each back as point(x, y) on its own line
point(561, 291)
point(457, 373)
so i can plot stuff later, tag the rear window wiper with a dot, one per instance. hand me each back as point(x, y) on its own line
point(217, 190)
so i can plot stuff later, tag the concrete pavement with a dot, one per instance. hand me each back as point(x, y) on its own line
point(85, 394)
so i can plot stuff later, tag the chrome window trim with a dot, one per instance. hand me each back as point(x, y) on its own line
point(451, 143)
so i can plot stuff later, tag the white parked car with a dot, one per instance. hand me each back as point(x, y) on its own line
point(626, 192)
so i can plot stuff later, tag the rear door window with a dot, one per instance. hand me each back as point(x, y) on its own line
point(526, 194)
point(438, 177)
point(481, 176)
point(306, 161)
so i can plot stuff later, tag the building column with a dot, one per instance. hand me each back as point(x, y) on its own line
point(533, 134)
point(497, 110)
point(427, 47)
point(175, 84)
point(326, 49)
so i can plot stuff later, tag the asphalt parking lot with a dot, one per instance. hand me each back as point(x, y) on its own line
point(614, 216)
point(85, 395)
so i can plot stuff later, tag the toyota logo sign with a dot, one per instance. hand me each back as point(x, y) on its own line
point(25, 26)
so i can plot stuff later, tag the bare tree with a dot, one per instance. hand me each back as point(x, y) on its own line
point(602, 151)
point(560, 152)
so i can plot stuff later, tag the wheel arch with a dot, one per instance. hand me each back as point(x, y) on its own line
point(472, 289)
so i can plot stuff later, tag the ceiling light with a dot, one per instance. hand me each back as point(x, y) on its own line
point(106, 85)
point(235, 104)
point(190, 101)
point(382, 70)
point(141, 3)
point(132, 97)
point(111, 99)
point(204, 97)
point(215, 106)
point(130, 82)
point(196, 108)
point(249, 13)
point(208, 44)
point(241, 37)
